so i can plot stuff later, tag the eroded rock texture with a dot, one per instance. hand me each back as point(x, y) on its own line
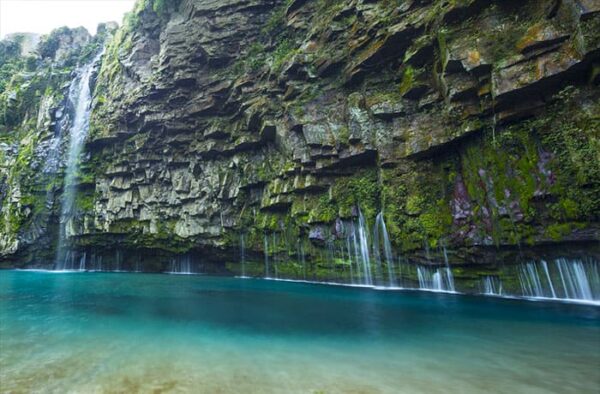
point(471, 124)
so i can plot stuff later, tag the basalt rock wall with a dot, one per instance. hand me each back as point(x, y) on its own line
point(472, 126)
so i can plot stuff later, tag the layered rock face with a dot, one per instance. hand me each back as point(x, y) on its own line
point(472, 126)
point(34, 78)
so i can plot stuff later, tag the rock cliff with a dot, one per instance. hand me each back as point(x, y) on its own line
point(473, 126)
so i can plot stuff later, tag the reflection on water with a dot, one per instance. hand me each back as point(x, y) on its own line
point(161, 333)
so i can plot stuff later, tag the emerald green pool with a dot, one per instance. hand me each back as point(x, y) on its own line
point(109, 332)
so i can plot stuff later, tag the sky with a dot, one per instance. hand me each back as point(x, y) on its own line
point(42, 16)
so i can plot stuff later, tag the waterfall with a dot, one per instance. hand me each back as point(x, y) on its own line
point(95, 263)
point(80, 97)
point(530, 280)
point(358, 246)
point(446, 277)
point(565, 279)
point(138, 263)
point(68, 261)
point(381, 239)
point(82, 261)
point(302, 258)
point(118, 260)
point(243, 253)
point(435, 279)
point(181, 265)
point(576, 280)
point(492, 285)
point(376, 250)
point(266, 247)
point(330, 253)
point(364, 248)
point(349, 257)
point(445, 251)
point(274, 243)
point(73, 261)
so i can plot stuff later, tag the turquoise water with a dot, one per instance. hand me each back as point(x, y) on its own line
point(100, 332)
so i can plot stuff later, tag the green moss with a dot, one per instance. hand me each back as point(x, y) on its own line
point(408, 80)
point(324, 211)
point(301, 206)
point(565, 209)
point(283, 52)
point(571, 134)
point(84, 201)
point(131, 234)
point(49, 44)
point(268, 221)
point(255, 58)
point(557, 231)
point(344, 135)
point(360, 190)
point(414, 204)
point(131, 20)
point(159, 6)
point(442, 39)
point(433, 227)
point(277, 19)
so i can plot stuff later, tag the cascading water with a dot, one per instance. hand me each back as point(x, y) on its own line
point(302, 258)
point(80, 98)
point(266, 247)
point(347, 258)
point(329, 257)
point(363, 247)
point(138, 264)
point(118, 264)
point(181, 265)
point(82, 261)
point(530, 280)
point(491, 285)
point(274, 243)
point(96, 263)
point(73, 261)
point(381, 238)
point(435, 279)
point(243, 253)
point(565, 279)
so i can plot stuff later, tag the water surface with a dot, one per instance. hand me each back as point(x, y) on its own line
point(101, 332)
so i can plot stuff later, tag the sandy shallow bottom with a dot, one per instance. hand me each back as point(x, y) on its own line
point(119, 333)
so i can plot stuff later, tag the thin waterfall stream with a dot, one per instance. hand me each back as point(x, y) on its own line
point(565, 279)
point(382, 238)
point(80, 98)
point(359, 257)
point(243, 254)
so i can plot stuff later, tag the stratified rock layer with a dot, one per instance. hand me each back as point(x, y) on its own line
point(472, 125)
